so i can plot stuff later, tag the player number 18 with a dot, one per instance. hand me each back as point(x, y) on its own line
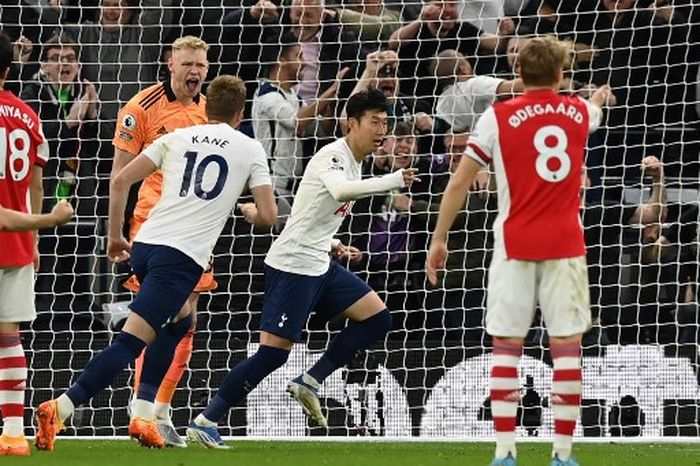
point(19, 153)
point(546, 153)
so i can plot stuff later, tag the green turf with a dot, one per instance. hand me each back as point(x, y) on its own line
point(105, 453)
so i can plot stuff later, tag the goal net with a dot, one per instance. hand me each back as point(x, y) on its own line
point(429, 378)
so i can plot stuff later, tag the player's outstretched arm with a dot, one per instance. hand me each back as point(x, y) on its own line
point(344, 190)
point(453, 200)
point(262, 213)
point(140, 168)
point(11, 220)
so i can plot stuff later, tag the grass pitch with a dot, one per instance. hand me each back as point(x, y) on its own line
point(115, 452)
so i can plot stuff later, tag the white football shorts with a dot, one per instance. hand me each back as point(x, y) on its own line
point(17, 294)
point(515, 287)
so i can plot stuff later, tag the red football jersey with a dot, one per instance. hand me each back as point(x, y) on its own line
point(22, 145)
point(537, 143)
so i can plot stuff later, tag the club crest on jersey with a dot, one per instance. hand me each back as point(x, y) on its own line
point(129, 122)
point(336, 163)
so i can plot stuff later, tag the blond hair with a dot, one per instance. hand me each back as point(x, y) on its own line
point(225, 97)
point(189, 42)
point(543, 59)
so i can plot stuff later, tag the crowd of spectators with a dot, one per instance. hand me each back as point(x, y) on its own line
point(441, 64)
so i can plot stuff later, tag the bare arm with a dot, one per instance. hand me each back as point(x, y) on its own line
point(36, 196)
point(407, 32)
point(122, 158)
point(306, 114)
point(509, 89)
point(135, 171)
point(654, 210)
point(36, 189)
point(374, 62)
point(11, 220)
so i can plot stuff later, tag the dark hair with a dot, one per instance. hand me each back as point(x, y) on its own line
point(225, 97)
point(59, 41)
point(364, 101)
point(276, 48)
point(6, 53)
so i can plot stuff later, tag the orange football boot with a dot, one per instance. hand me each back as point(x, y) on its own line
point(13, 446)
point(48, 425)
point(146, 432)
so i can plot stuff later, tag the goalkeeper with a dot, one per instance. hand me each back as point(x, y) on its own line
point(157, 110)
point(169, 255)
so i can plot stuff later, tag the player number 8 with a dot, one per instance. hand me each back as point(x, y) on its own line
point(545, 153)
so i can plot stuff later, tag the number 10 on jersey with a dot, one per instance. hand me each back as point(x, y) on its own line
point(199, 173)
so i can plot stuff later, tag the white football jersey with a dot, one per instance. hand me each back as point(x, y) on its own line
point(205, 169)
point(305, 242)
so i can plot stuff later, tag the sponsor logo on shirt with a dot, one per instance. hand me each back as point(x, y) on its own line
point(125, 136)
point(344, 209)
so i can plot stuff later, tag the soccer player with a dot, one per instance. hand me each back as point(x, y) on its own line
point(153, 112)
point(23, 154)
point(301, 278)
point(205, 169)
point(536, 143)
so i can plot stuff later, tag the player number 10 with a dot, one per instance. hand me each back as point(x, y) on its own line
point(545, 153)
point(199, 172)
point(17, 154)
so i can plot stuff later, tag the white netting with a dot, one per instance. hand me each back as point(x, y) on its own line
point(430, 377)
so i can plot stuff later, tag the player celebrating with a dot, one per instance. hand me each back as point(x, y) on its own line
point(536, 143)
point(153, 112)
point(300, 278)
point(23, 154)
point(205, 169)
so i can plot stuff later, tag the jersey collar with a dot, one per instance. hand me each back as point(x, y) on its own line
point(171, 94)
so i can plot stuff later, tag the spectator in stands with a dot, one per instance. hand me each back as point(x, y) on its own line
point(279, 118)
point(67, 108)
point(370, 20)
point(465, 96)
point(669, 278)
point(493, 16)
point(444, 164)
point(381, 68)
point(327, 48)
point(121, 52)
point(438, 28)
point(381, 228)
point(605, 232)
point(573, 21)
point(645, 59)
point(462, 299)
point(21, 54)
